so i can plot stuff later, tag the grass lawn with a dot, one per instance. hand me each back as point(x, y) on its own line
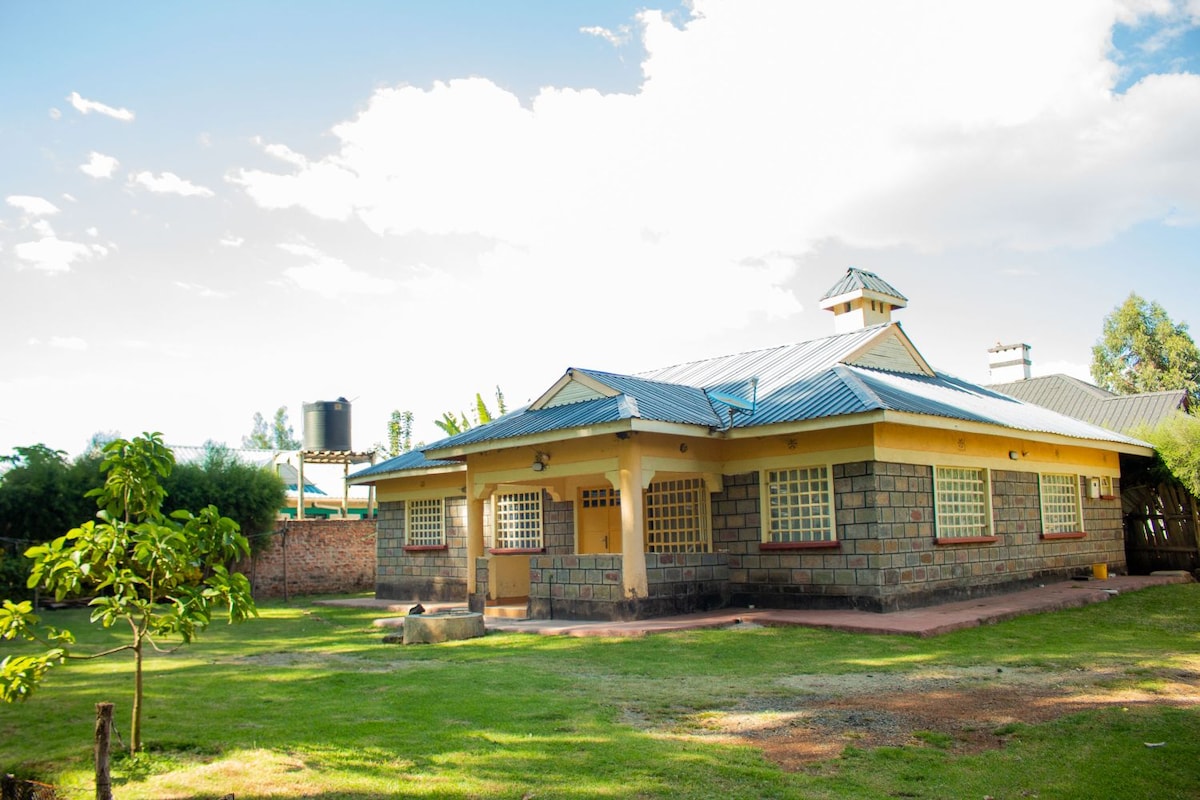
point(307, 702)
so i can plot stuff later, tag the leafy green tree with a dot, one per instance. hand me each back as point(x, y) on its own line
point(162, 577)
point(1177, 445)
point(1143, 350)
point(277, 434)
point(41, 495)
point(249, 495)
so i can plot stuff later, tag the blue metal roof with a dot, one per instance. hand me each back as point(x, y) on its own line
point(856, 279)
point(796, 383)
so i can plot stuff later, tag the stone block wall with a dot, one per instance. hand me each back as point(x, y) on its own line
point(590, 586)
point(558, 526)
point(317, 557)
point(887, 556)
point(422, 575)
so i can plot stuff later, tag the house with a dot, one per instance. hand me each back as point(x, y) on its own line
point(839, 472)
point(1161, 517)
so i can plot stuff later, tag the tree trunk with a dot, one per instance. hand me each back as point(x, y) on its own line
point(104, 712)
point(135, 727)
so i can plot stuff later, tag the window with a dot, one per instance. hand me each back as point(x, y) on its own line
point(518, 517)
point(1060, 504)
point(961, 507)
point(677, 517)
point(424, 526)
point(798, 507)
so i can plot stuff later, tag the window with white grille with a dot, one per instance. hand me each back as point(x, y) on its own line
point(425, 523)
point(677, 517)
point(798, 505)
point(518, 520)
point(961, 503)
point(1060, 504)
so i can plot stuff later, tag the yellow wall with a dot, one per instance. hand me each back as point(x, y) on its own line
point(508, 576)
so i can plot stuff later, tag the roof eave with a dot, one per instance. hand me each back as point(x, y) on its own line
point(441, 469)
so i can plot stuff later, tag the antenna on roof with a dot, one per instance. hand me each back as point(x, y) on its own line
point(736, 403)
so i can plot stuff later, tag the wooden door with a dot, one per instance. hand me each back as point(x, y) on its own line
point(599, 520)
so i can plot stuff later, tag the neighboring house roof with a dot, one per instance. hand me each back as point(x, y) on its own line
point(320, 480)
point(1082, 400)
point(868, 370)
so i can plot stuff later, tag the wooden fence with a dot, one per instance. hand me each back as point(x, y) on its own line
point(1161, 524)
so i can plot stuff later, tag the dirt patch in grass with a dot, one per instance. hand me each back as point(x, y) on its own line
point(964, 710)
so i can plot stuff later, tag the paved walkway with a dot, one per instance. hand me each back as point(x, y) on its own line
point(927, 621)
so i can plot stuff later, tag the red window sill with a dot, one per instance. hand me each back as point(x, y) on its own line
point(424, 548)
point(968, 540)
point(1067, 535)
point(832, 545)
point(516, 551)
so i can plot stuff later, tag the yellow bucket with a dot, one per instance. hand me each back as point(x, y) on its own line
point(1100, 572)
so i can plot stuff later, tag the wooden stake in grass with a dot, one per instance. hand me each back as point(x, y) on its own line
point(104, 712)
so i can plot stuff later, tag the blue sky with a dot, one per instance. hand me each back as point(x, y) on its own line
point(208, 210)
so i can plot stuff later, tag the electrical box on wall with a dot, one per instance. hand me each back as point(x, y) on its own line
point(1094, 488)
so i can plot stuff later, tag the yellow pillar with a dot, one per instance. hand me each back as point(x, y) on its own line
point(633, 546)
point(474, 535)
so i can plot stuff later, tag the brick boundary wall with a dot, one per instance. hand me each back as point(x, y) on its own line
point(322, 557)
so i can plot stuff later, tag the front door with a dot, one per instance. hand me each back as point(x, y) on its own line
point(599, 520)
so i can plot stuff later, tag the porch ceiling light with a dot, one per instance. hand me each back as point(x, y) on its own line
point(540, 460)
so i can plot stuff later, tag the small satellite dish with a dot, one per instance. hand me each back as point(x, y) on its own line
point(733, 401)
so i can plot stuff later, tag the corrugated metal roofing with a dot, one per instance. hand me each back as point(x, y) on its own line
point(1082, 400)
point(796, 383)
point(414, 459)
point(856, 279)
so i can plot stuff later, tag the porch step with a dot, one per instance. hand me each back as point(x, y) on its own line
point(506, 610)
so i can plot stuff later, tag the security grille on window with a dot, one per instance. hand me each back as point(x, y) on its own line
point(798, 505)
point(1060, 504)
point(961, 503)
point(425, 524)
point(677, 517)
point(519, 520)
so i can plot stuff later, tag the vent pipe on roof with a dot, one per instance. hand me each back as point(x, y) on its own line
point(1008, 363)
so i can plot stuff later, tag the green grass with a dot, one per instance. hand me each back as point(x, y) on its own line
point(307, 701)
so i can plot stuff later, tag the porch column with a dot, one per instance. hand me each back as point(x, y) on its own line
point(633, 546)
point(474, 535)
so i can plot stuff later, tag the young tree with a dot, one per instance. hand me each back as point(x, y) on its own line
point(400, 432)
point(1177, 442)
point(163, 577)
point(251, 496)
point(277, 434)
point(1143, 350)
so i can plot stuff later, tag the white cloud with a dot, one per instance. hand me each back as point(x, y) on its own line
point(68, 343)
point(33, 206)
point(231, 241)
point(169, 183)
point(330, 276)
point(196, 288)
point(51, 254)
point(55, 113)
point(617, 38)
point(99, 165)
point(85, 106)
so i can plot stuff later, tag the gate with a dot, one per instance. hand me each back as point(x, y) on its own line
point(1160, 529)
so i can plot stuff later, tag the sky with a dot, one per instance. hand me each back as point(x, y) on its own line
point(209, 210)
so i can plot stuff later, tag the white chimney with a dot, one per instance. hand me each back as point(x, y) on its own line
point(1008, 363)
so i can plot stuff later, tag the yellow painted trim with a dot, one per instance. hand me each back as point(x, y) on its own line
point(801, 459)
point(549, 437)
point(964, 426)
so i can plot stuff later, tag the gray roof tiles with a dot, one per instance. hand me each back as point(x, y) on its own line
point(1082, 400)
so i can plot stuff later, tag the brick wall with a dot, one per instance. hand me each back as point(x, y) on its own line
point(423, 575)
point(319, 557)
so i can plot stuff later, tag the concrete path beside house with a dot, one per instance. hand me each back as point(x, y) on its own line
point(927, 621)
